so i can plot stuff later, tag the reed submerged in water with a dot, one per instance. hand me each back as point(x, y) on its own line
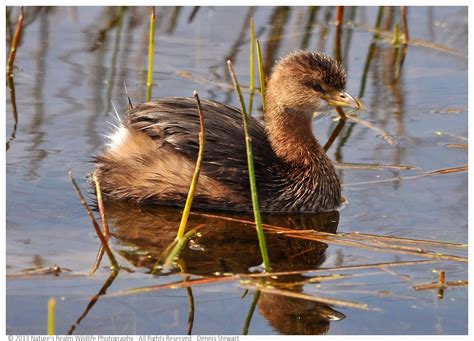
point(152, 155)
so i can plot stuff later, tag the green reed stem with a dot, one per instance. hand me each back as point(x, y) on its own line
point(176, 248)
point(396, 44)
point(51, 315)
point(261, 73)
point(197, 170)
point(151, 46)
point(252, 65)
point(253, 184)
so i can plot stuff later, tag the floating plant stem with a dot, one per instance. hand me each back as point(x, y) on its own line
point(371, 243)
point(253, 184)
point(314, 298)
point(435, 285)
point(51, 315)
point(261, 73)
point(256, 297)
point(103, 240)
point(451, 170)
point(197, 170)
point(151, 46)
point(385, 135)
point(252, 65)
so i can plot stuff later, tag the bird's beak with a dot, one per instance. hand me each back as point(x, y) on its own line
point(341, 99)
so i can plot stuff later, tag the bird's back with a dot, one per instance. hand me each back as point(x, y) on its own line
point(152, 156)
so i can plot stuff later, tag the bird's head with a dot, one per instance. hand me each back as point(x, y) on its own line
point(308, 81)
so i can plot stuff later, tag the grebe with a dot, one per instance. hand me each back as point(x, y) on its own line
point(152, 156)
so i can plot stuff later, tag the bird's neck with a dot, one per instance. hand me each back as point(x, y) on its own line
point(291, 136)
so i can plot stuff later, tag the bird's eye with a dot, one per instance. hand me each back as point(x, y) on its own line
point(315, 86)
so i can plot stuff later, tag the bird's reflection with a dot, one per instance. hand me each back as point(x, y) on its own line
point(224, 246)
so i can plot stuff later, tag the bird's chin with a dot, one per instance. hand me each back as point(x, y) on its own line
point(322, 110)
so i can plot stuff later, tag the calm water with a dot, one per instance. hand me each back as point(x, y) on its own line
point(72, 64)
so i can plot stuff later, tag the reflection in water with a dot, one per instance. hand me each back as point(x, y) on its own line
point(36, 130)
point(308, 30)
point(223, 246)
point(292, 316)
point(277, 21)
point(94, 300)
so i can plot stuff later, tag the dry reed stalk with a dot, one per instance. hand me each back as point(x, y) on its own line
point(15, 43)
point(326, 300)
point(414, 42)
point(337, 239)
point(10, 66)
point(105, 224)
point(202, 280)
point(462, 146)
point(382, 247)
point(435, 285)
point(370, 125)
point(442, 133)
point(173, 285)
point(450, 170)
point(338, 23)
point(345, 268)
point(103, 240)
point(371, 166)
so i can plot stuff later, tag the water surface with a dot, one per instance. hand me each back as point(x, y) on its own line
point(71, 66)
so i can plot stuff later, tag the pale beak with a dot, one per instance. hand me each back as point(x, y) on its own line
point(341, 99)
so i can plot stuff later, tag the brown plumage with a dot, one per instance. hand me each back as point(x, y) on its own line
point(151, 158)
